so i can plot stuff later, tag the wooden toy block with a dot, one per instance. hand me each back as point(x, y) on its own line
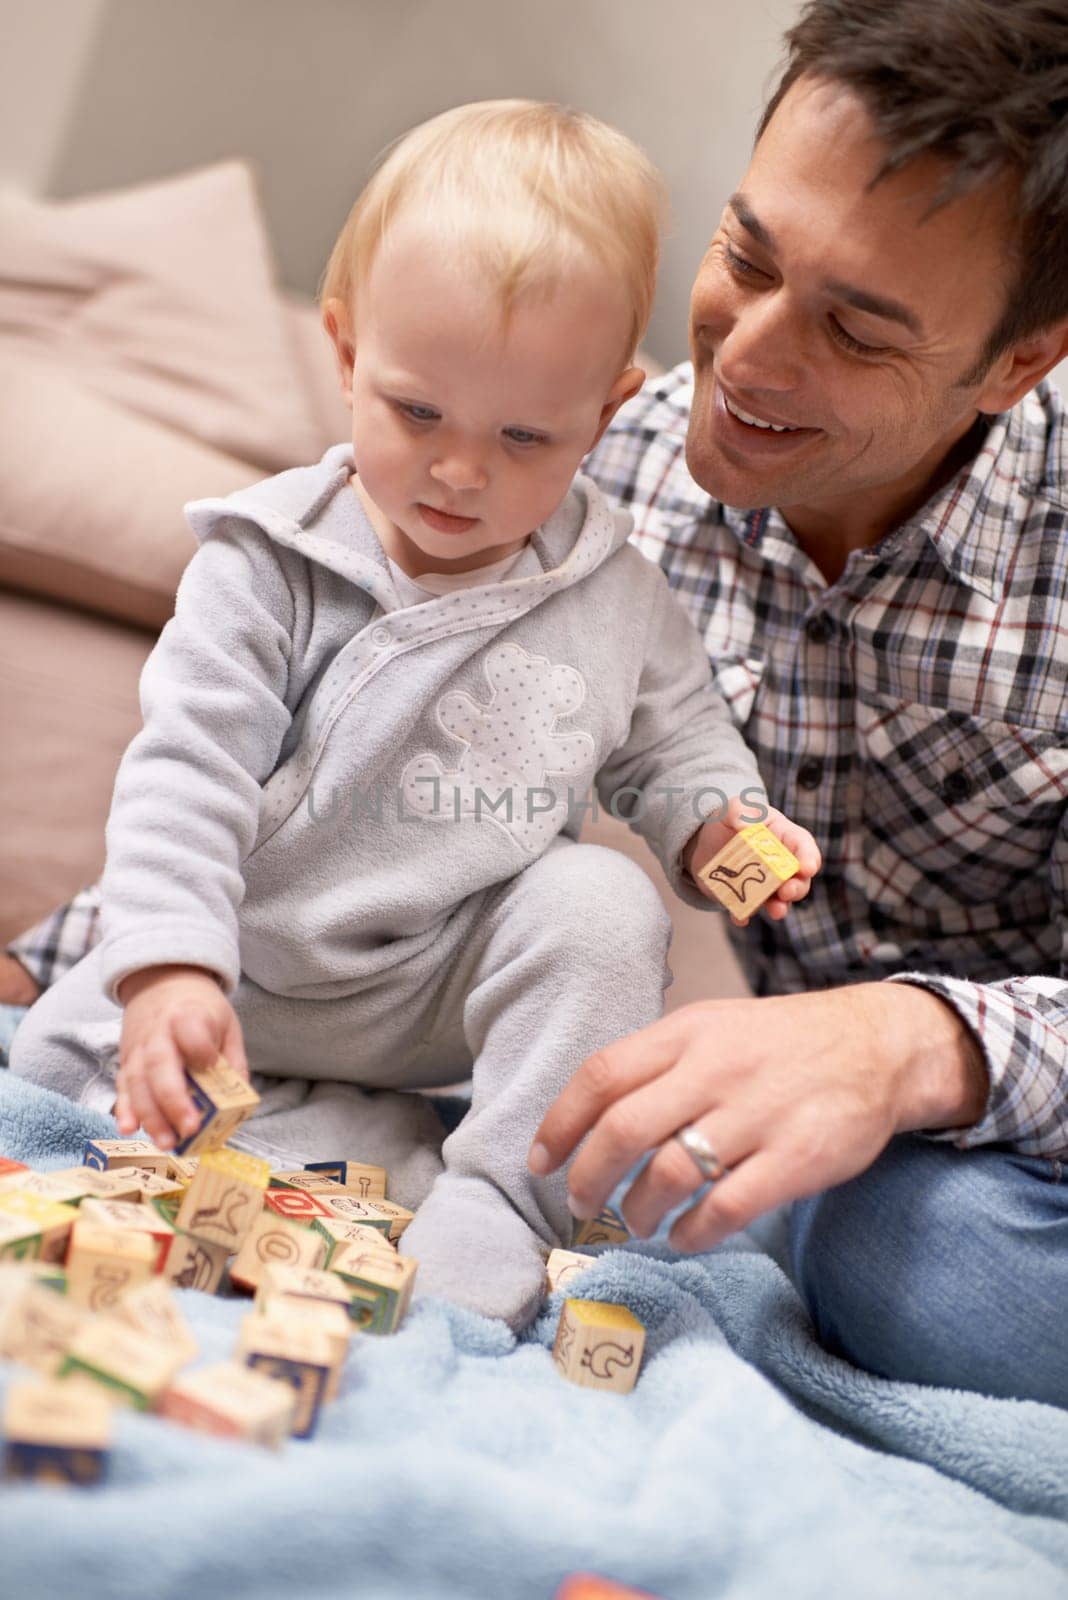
point(72, 1184)
point(131, 1365)
point(358, 1177)
point(9, 1165)
point(183, 1169)
point(599, 1345)
point(52, 1220)
point(108, 1154)
point(20, 1239)
point(748, 870)
point(565, 1265)
point(223, 1099)
point(195, 1263)
point(368, 1233)
point(154, 1186)
point(37, 1327)
point(152, 1309)
point(295, 1203)
point(588, 1586)
point(137, 1218)
point(346, 1208)
point(56, 1432)
point(225, 1198)
point(380, 1286)
point(232, 1401)
point(308, 1283)
point(290, 1313)
point(103, 1261)
point(607, 1227)
point(275, 1239)
point(301, 1357)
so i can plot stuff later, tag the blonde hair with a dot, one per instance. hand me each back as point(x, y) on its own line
point(522, 188)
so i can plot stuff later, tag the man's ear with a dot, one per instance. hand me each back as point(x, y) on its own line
point(1018, 369)
point(625, 388)
point(338, 324)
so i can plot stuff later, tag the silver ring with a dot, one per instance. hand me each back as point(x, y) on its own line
point(701, 1153)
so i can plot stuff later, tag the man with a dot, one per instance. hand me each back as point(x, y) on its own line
point(883, 293)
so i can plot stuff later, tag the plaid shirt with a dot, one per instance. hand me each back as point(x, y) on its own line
point(913, 716)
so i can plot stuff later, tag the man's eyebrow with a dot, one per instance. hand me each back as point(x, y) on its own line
point(876, 305)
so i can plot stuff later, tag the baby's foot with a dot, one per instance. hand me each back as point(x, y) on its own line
point(475, 1249)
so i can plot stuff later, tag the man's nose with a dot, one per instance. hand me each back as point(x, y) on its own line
point(764, 348)
point(458, 471)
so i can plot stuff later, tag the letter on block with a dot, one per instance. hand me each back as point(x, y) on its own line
point(599, 1345)
point(225, 1198)
point(133, 1367)
point(275, 1239)
point(367, 1234)
point(301, 1357)
point(108, 1155)
point(134, 1216)
point(105, 1261)
point(748, 870)
point(379, 1285)
point(294, 1203)
point(234, 1401)
point(56, 1432)
point(607, 1227)
point(195, 1263)
point(51, 1220)
point(564, 1265)
point(223, 1099)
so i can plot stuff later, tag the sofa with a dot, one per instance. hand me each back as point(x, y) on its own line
point(150, 358)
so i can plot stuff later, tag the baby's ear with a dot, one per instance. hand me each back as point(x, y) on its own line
point(338, 325)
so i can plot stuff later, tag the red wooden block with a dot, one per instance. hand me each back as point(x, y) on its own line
point(588, 1586)
point(295, 1203)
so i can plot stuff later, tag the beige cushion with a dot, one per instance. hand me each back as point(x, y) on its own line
point(161, 298)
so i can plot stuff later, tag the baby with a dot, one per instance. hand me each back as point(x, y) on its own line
point(344, 845)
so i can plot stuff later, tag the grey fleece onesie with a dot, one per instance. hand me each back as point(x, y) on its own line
point(362, 815)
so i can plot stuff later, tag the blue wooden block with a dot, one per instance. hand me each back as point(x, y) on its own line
point(206, 1109)
point(328, 1169)
point(307, 1378)
point(94, 1157)
point(53, 1463)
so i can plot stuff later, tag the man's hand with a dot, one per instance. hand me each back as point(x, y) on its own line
point(794, 1093)
point(173, 1016)
point(711, 837)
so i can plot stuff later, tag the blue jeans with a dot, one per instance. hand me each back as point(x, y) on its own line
point(942, 1266)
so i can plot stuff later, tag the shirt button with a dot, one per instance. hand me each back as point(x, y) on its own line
point(955, 787)
point(809, 773)
point(819, 629)
point(887, 952)
point(380, 635)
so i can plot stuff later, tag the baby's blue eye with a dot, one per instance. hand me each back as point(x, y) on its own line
point(417, 413)
point(524, 436)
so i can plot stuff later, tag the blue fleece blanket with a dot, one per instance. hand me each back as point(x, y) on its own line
point(458, 1463)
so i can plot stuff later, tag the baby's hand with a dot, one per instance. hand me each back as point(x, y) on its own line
point(711, 837)
point(173, 1016)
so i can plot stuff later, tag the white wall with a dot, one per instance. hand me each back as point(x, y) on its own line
point(105, 92)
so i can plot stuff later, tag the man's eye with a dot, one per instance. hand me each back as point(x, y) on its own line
point(738, 264)
point(524, 436)
point(417, 413)
point(850, 343)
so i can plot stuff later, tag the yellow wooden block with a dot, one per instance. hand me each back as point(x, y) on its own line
point(276, 1240)
point(233, 1401)
point(104, 1261)
point(599, 1345)
point(195, 1263)
point(748, 870)
point(37, 1326)
point(55, 1432)
point(563, 1266)
point(52, 1220)
point(106, 1155)
point(225, 1197)
point(133, 1366)
point(152, 1309)
point(223, 1099)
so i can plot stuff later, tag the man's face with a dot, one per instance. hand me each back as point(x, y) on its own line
point(467, 435)
point(838, 313)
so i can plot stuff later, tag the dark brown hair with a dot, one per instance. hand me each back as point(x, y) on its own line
point(983, 84)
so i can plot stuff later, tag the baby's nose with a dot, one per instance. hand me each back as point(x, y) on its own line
point(458, 472)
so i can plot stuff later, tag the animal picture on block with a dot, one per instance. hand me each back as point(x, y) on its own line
point(748, 870)
point(599, 1345)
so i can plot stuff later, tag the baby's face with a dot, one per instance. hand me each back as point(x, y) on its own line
point(467, 437)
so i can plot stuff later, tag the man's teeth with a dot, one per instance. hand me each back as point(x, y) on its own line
point(756, 422)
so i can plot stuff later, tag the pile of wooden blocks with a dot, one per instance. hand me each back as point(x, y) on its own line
point(89, 1255)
